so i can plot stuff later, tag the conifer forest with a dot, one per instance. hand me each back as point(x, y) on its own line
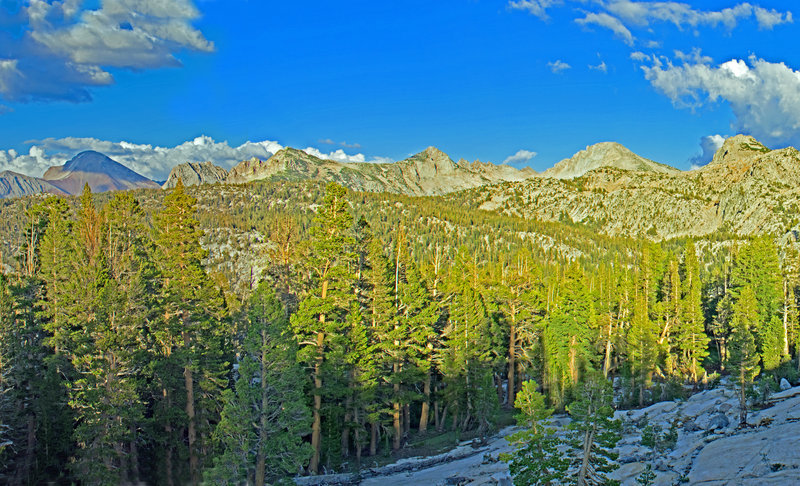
point(253, 334)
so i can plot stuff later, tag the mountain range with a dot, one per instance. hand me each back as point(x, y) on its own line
point(746, 188)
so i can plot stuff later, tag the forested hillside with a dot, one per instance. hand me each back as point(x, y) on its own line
point(247, 333)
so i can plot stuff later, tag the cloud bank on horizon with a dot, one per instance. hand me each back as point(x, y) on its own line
point(763, 95)
point(59, 50)
point(151, 161)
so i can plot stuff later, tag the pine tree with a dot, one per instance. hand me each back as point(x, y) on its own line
point(419, 315)
point(103, 392)
point(743, 361)
point(380, 315)
point(319, 320)
point(593, 432)
point(189, 336)
point(536, 458)
point(757, 266)
point(567, 335)
point(520, 301)
point(265, 416)
point(466, 360)
point(691, 339)
point(671, 315)
point(642, 340)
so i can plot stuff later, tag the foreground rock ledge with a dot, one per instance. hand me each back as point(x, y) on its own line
point(710, 451)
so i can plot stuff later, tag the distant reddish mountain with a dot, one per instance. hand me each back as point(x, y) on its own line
point(99, 171)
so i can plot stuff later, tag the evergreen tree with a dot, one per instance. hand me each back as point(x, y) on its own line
point(536, 458)
point(691, 339)
point(265, 416)
point(466, 360)
point(190, 337)
point(567, 335)
point(593, 432)
point(520, 301)
point(419, 315)
point(320, 318)
point(743, 361)
point(642, 340)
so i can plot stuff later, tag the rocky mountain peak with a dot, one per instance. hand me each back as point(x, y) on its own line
point(604, 154)
point(432, 161)
point(192, 174)
point(739, 147)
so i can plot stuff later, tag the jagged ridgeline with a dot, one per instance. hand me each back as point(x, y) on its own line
point(746, 189)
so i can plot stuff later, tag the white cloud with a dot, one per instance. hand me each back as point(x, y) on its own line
point(639, 56)
point(767, 19)
point(708, 147)
point(621, 16)
point(602, 67)
point(521, 157)
point(642, 14)
point(66, 48)
point(764, 96)
point(558, 66)
point(609, 22)
point(34, 163)
point(340, 156)
point(535, 7)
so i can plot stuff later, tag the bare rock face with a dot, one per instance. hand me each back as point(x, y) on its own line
point(100, 172)
point(604, 154)
point(13, 184)
point(717, 451)
point(738, 147)
point(501, 172)
point(193, 174)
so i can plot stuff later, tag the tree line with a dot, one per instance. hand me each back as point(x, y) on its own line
point(123, 359)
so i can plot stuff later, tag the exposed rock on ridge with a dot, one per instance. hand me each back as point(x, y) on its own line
point(428, 173)
point(747, 189)
point(13, 184)
point(193, 174)
point(604, 154)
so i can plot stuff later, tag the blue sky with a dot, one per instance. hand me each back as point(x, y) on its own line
point(143, 79)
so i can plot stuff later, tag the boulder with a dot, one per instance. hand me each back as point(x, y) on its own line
point(718, 422)
point(785, 385)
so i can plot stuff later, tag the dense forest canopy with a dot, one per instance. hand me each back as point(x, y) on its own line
point(247, 334)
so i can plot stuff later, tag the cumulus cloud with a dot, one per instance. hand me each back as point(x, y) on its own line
point(534, 7)
point(34, 163)
point(340, 156)
point(65, 48)
point(609, 22)
point(764, 96)
point(153, 161)
point(558, 66)
point(708, 147)
point(521, 157)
